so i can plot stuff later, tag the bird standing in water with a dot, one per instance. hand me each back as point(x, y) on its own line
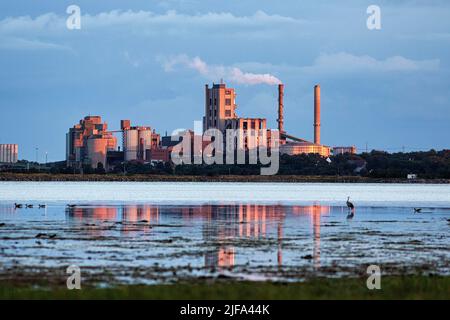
point(350, 205)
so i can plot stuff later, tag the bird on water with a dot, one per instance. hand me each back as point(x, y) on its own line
point(350, 205)
point(417, 210)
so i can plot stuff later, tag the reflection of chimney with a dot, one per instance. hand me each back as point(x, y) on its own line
point(317, 114)
point(280, 108)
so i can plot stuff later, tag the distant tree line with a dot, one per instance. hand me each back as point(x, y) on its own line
point(376, 164)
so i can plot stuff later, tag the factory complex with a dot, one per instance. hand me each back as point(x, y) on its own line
point(91, 143)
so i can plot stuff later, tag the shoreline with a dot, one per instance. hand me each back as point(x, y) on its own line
point(46, 177)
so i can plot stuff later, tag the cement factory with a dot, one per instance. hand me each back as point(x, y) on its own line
point(91, 143)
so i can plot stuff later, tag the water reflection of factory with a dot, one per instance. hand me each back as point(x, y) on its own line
point(221, 224)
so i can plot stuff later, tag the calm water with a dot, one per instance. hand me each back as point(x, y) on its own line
point(157, 232)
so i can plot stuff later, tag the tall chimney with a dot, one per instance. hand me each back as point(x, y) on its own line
point(317, 114)
point(280, 108)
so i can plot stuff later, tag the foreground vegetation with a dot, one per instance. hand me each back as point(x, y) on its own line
point(393, 287)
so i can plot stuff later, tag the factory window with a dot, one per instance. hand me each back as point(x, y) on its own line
point(245, 126)
point(227, 92)
point(227, 113)
point(215, 101)
point(228, 102)
point(253, 125)
point(210, 101)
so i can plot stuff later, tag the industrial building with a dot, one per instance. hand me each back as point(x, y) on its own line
point(88, 143)
point(344, 150)
point(220, 113)
point(9, 153)
point(138, 142)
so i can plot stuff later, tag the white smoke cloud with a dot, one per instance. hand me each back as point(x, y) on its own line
point(216, 72)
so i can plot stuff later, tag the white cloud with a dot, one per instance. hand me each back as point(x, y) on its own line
point(13, 43)
point(346, 62)
point(25, 24)
point(146, 19)
point(216, 72)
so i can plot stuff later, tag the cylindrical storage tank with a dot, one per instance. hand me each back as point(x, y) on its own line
point(16, 153)
point(97, 151)
point(145, 137)
point(130, 144)
point(8, 153)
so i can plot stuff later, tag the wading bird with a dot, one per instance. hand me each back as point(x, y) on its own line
point(350, 205)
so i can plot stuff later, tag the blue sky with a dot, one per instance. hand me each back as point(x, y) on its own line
point(148, 61)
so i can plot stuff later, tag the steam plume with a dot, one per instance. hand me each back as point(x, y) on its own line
point(215, 72)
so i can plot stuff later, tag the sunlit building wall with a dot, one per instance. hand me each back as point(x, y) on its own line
point(137, 141)
point(295, 148)
point(220, 113)
point(9, 153)
point(88, 142)
point(344, 150)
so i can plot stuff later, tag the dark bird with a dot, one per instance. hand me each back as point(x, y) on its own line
point(417, 210)
point(42, 206)
point(45, 236)
point(18, 205)
point(71, 205)
point(350, 205)
point(29, 206)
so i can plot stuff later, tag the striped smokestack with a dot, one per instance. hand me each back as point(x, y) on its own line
point(317, 114)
